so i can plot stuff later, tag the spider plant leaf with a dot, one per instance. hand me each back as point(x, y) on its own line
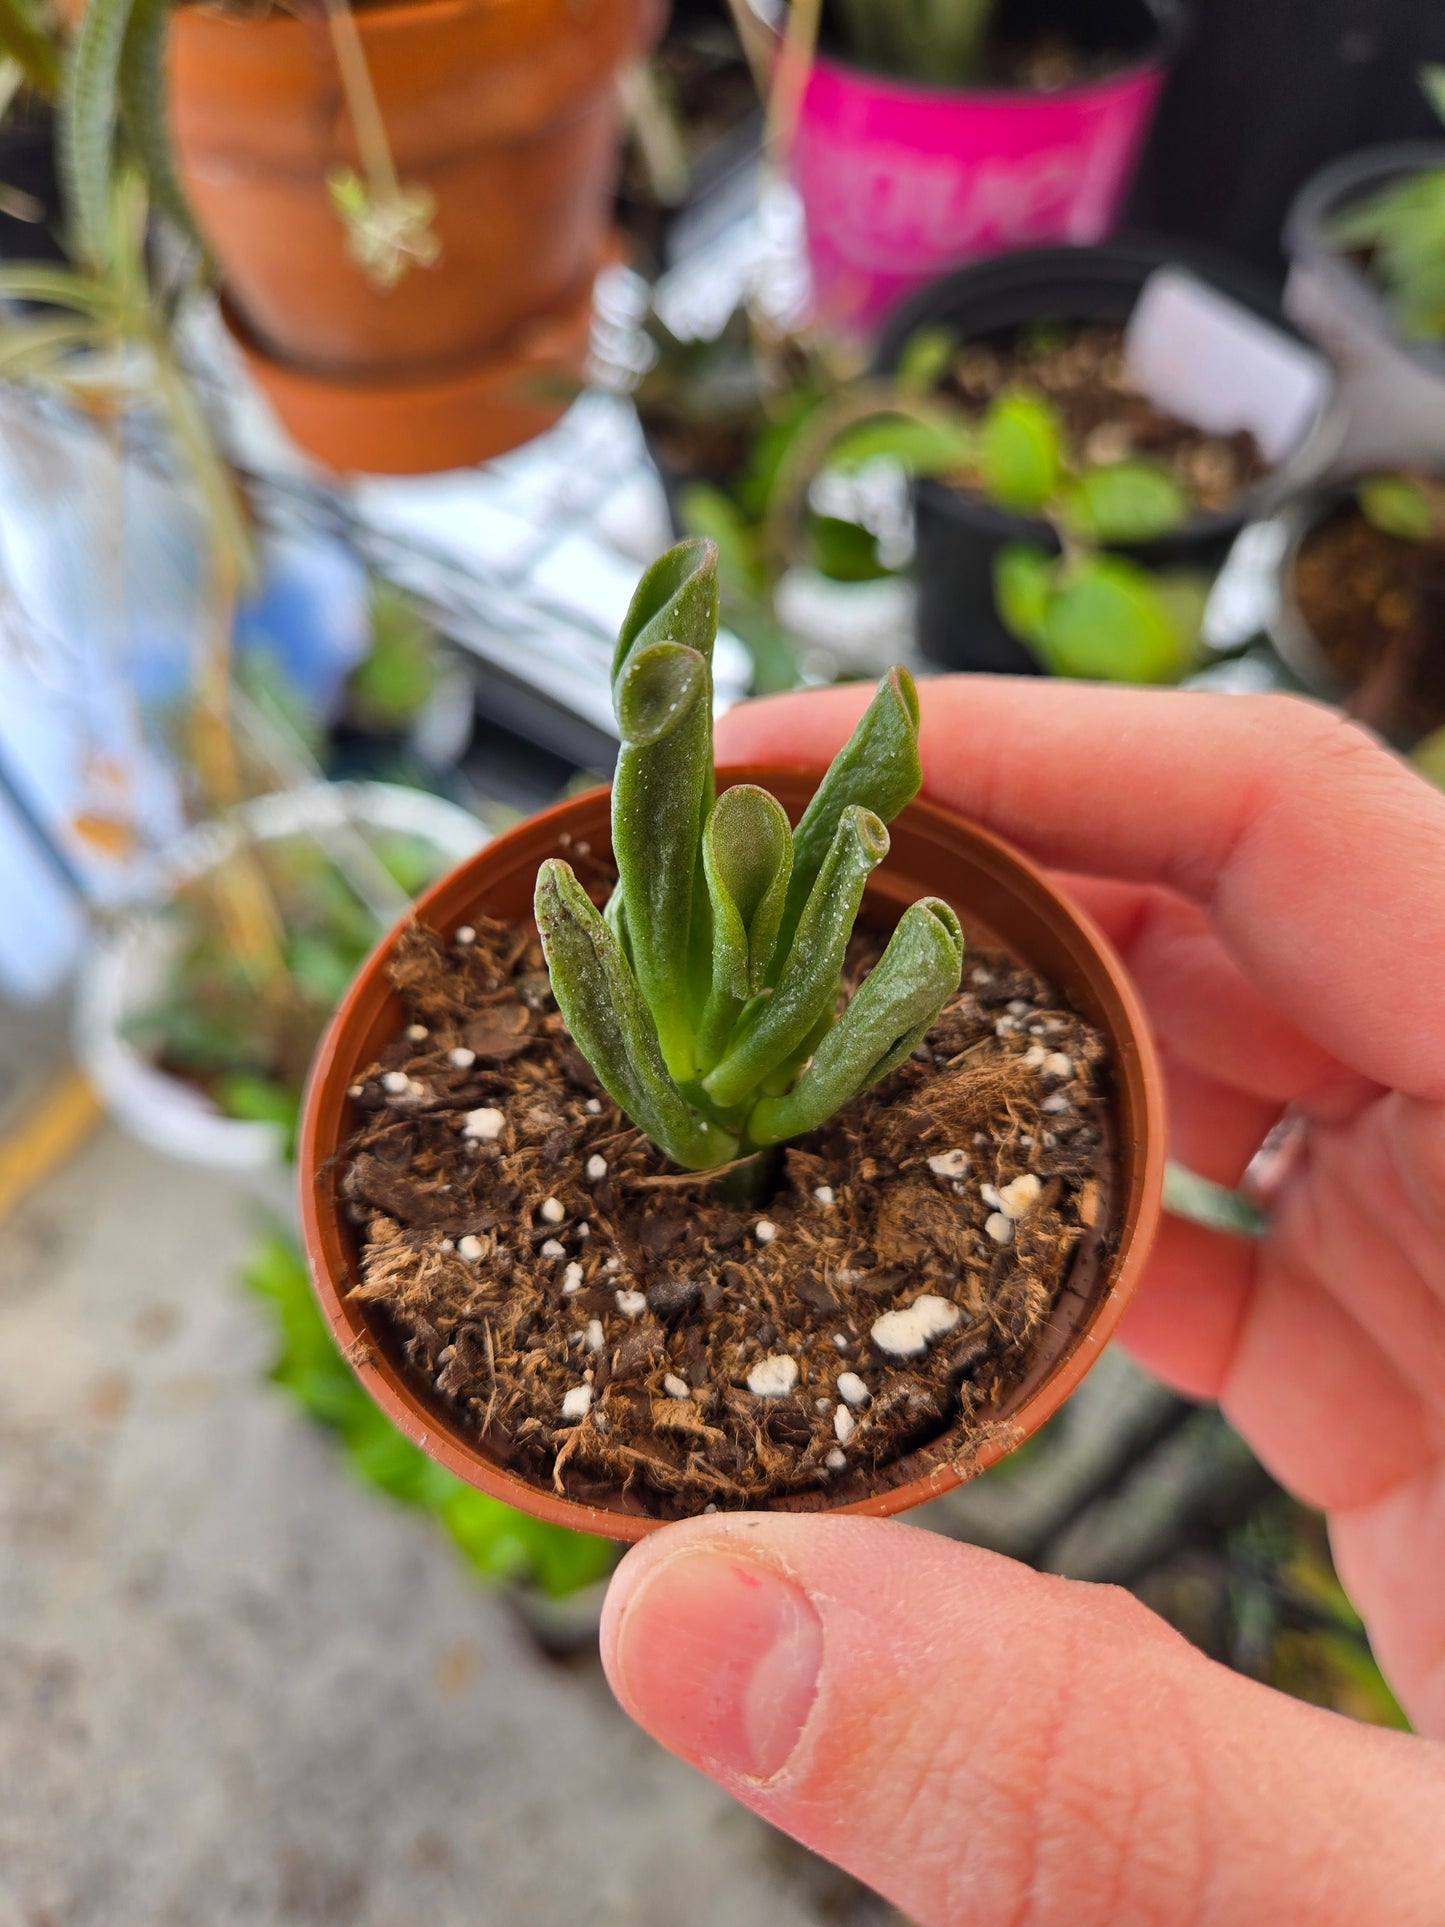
point(145, 109)
point(32, 50)
point(88, 108)
point(889, 1015)
point(878, 769)
point(776, 1026)
point(612, 1026)
point(663, 704)
point(747, 858)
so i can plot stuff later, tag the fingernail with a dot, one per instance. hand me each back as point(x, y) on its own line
point(717, 1656)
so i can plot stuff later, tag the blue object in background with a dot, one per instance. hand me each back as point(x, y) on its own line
point(310, 616)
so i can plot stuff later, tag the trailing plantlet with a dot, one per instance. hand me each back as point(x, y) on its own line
point(705, 995)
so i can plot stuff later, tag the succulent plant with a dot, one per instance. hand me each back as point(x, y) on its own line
point(705, 994)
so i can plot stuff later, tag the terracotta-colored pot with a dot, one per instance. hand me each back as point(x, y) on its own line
point(506, 110)
point(1002, 900)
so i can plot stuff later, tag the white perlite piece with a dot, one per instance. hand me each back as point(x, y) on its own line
point(1057, 1064)
point(415, 1090)
point(582, 1229)
point(551, 1249)
point(483, 1126)
point(823, 1193)
point(949, 1164)
point(571, 1280)
point(552, 1211)
point(596, 1167)
point(577, 1402)
point(844, 1424)
point(773, 1377)
point(999, 1228)
point(394, 1082)
point(355, 1090)
point(460, 1058)
point(852, 1390)
point(469, 1248)
point(909, 1333)
point(1055, 1105)
point(1020, 1195)
point(417, 1033)
point(676, 1387)
point(765, 1231)
point(836, 1460)
point(631, 1304)
point(1034, 1057)
point(446, 1245)
point(840, 1343)
point(594, 1107)
point(596, 1337)
point(466, 935)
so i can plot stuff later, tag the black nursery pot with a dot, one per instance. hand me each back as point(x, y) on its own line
point(959, 533)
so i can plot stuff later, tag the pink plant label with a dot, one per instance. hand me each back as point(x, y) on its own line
point(900, 183)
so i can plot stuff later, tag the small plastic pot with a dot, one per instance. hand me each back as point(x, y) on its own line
point(901, 181)
point(958, 533)
point(1392, 391)
point(1002, 899)
point(1296, 643)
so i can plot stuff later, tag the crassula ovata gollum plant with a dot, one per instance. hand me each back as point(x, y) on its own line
point(705, 995)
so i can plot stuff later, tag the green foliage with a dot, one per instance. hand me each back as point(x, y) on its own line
point(1021, 452)
point(1401, 229)
point(393, 682)
point(1429, 757)
point(1409, 506)
point(24, 40)
point(89, 111)
point(1100, 616)
point(1125, 502)
point(938, 41)
point(711, 984)
point(250, 1046)
point(501, 1545)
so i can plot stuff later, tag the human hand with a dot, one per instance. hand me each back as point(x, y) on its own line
point(985, 1744)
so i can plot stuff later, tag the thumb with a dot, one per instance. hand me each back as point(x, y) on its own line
point(981, 1743)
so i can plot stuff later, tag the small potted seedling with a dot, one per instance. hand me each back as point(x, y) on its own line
point(1360, 609)
point(1091, 514)
point(679, 1155)
point(933, 131)
point(1366, 240)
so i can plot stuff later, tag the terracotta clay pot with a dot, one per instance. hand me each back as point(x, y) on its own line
point(506, 110)
point(1002, 899)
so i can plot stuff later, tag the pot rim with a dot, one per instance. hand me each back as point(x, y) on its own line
point(337, 1059)
point(1147, 252)
point(1320, 198)
point(1152, 58)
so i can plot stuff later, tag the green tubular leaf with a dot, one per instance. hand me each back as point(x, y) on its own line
point(878, 768)
point(59, 287)
point(612, 1026)
point(87, 124)
point(145, 108)
point(1126, 502)
point(676, 601)
point(775, 1027)
point(1021, 451)
point(892, 1011)
point(659, 794)
point(747, 859)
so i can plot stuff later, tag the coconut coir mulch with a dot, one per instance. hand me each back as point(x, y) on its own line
point(595, 1317)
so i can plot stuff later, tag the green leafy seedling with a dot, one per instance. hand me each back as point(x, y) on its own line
point(1411, 507)
point(705, 994)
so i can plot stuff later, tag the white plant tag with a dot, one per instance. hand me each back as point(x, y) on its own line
point(1202, 356)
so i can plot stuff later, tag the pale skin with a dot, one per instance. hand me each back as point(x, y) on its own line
point(985, 1745)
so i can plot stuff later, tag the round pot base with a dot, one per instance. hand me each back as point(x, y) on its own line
point(1004, 902)
point(416, 425)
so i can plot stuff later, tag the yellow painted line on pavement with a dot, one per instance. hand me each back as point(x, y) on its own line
point(50, 1130)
